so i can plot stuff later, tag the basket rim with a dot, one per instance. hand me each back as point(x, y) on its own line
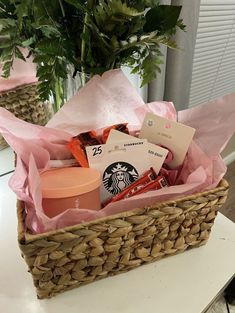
point(25, 237)
point(18, 88)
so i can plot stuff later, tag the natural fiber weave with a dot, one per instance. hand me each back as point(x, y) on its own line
point(25, 104)
point(3, 143)
point(67, 258)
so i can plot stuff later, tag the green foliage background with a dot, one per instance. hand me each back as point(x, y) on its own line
point(92, 36)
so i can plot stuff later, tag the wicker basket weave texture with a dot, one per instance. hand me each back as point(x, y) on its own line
point(67, 258)
point(25, 104)
point(3, 143)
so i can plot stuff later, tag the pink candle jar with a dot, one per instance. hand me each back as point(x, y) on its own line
point(69, 188)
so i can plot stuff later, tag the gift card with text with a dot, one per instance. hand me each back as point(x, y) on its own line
point(170, 134)
point(120, 164)
point(157, 155)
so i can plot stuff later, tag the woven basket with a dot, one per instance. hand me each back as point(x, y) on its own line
point(67, 258)
point(25, 104)
point(3, 143)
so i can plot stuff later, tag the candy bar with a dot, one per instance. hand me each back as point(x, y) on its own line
point(140, 183)
point(144, 184)
point(89, 138)
point(159, 183)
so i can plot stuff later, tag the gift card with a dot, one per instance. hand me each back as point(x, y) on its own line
point(157, 155)
point(116, 135)
point(120, 164)
point(170, 134)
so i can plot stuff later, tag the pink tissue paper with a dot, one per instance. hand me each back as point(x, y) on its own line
point(22, 73)
point(104, 101)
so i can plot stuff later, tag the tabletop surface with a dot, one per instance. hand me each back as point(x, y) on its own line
point(185, 283)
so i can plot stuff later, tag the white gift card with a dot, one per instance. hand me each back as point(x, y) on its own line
point(172, 135)
point(116, 135)
point(157, 155)
point(120, 164)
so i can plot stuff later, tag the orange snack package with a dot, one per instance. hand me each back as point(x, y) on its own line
point(120, 127)
point(78, 144)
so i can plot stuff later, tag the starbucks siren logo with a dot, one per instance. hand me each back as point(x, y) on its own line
point(119, 175)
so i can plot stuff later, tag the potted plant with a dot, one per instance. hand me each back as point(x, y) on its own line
point(67, 37)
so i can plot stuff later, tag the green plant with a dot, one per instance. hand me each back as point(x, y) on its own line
point(92, 36)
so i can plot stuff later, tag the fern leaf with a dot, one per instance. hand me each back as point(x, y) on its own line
point(19, 54)
point(118, 7)
point(78, 4)
point(22, 10)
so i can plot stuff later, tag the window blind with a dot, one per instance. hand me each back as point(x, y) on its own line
point(214, 57)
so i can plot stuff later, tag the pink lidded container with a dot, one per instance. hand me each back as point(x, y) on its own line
point(69, 188)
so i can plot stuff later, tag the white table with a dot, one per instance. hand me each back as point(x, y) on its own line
point(186, 283)
point(6, 160)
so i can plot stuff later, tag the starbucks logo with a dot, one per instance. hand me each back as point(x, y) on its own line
point(119, 175)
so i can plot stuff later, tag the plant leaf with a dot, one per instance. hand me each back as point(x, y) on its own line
point(109, 33)
point(7, 68)
point(22, 10)
point(6, 23)
point(48, 30)
point(162, 18)
point(79, 4)
point(5, 42)
point(51, 47)
point(45, 12)
point(149, 68)
point(19, 54)
point(29, 42)
point(117, 7)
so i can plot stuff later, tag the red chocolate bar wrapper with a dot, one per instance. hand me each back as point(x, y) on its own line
point(78, 143)
point(159, 183)
point(120, 127)
point(130, 190)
